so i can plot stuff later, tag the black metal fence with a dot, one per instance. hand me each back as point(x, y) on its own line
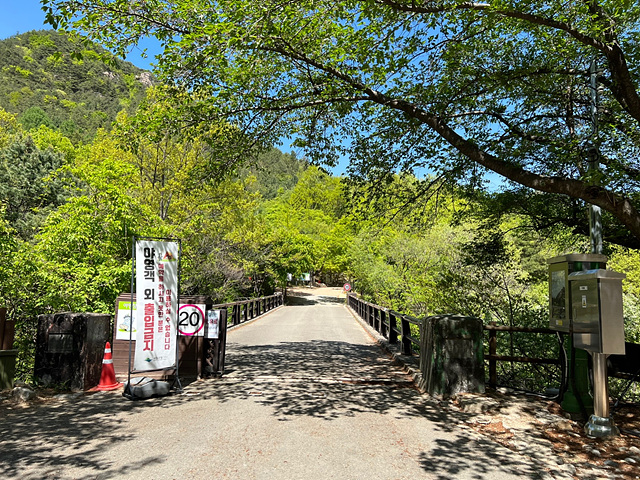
point(245, 310)
point(389, 323)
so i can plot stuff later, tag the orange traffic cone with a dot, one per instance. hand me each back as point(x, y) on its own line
point(108, 376)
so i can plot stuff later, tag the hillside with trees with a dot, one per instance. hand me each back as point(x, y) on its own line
point(52, 79)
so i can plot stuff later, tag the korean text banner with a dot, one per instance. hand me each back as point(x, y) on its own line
point(156, 304)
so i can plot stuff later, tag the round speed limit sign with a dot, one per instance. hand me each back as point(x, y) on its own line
point(191, 320)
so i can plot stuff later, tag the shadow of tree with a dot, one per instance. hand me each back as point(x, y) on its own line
point(461, 458)
point(43, 441)
point(325, 380)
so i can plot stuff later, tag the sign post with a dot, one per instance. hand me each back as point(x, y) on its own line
point(154, 319)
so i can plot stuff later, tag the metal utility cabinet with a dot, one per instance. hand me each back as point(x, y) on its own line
point(585, 300)
point(596, 308)
point(559, 294)
point(598, 327)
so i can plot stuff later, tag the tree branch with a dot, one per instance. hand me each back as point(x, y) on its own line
point(622, 87)
point(619, 205)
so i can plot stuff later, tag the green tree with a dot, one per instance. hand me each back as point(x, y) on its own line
point(83, 251)
point(456, 87)
point(313, 211)
point(9, 128)
point(9, 247)
point(182, 177)
point(275, 172)
point(34, 117)
point(29, 186)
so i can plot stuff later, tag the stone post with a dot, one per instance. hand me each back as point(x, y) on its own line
point(451, 355)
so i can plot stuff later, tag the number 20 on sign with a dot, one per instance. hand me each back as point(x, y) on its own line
point(191, 320)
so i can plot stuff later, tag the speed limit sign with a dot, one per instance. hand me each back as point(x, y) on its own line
point(191, 320)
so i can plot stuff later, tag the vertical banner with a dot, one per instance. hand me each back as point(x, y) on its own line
point(156, 304)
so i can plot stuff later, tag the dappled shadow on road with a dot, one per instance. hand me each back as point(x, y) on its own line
point(36, 439)
point(324, 380)
point(330, 379)
point(479, 459)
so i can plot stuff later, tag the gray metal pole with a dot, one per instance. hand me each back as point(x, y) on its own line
point(599, 424)
point(595, 216)
point(600, 395)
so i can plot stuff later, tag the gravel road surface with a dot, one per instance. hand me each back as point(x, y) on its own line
point(306, 395)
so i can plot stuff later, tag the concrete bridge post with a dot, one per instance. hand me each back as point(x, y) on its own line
point(451, 355)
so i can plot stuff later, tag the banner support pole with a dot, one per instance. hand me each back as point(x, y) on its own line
point(127, 389)
point(176, 381)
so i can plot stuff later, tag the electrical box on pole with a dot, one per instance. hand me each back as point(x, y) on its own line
point(596, 309)
point(559, 293)
point(585, 301)
point(576, 396)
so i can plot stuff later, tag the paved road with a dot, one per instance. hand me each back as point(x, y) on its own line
point(307, 395)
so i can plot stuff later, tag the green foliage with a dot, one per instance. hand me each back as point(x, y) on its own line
point(306, 222)
point(275, 172)
point(457, 89)
point(182, 178)
point(33, 117)
point(29, 187)
point(9, 246)
point(628, 262)
point(43, 84)
point(83, 250)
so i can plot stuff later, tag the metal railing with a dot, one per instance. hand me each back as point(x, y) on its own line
point(388, 323)
point(245, 310)
point(385, 322)
point(397, 327)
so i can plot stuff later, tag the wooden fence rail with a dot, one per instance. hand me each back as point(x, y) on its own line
point(391, 325)
point(385, 322)
point(245, 310)
point(493, 358)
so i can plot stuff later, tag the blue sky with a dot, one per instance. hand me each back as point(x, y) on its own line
point(19, 16)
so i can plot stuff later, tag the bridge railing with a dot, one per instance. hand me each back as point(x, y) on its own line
point(386, 321)
point(409, 331)
point(449, 346)
point(389, 323)
point(244, 310)
point(493, 358)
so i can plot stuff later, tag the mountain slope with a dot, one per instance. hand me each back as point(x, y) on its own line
point(43, 83)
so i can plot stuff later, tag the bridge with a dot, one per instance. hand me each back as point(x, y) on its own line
point(307, 394)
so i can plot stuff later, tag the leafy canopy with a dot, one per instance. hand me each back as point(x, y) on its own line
point(454, 87)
